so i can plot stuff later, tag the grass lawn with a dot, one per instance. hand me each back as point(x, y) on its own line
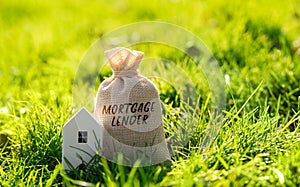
point(257, 46)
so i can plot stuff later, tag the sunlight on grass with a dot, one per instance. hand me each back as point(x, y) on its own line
point(256, 43)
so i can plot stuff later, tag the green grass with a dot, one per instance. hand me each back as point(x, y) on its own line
point(257, 45)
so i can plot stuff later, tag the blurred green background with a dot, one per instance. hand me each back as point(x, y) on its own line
point(42, 42)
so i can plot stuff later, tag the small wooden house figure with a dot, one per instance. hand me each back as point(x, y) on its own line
point(82, 138)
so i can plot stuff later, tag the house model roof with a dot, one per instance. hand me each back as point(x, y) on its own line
point(82, 139)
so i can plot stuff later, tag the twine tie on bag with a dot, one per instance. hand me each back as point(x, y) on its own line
point(125, 73)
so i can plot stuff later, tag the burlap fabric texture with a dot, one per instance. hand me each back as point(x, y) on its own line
point(128, 106)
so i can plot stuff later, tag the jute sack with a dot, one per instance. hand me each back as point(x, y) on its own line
point(128, 106)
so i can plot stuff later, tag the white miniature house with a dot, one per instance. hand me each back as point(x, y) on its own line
point(82, 138)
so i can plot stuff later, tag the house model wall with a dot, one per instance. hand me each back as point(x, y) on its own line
point(82, 138)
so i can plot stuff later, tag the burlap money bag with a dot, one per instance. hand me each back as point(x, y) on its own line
point(128, 106)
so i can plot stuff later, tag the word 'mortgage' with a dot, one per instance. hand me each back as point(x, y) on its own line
point(133, 113)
